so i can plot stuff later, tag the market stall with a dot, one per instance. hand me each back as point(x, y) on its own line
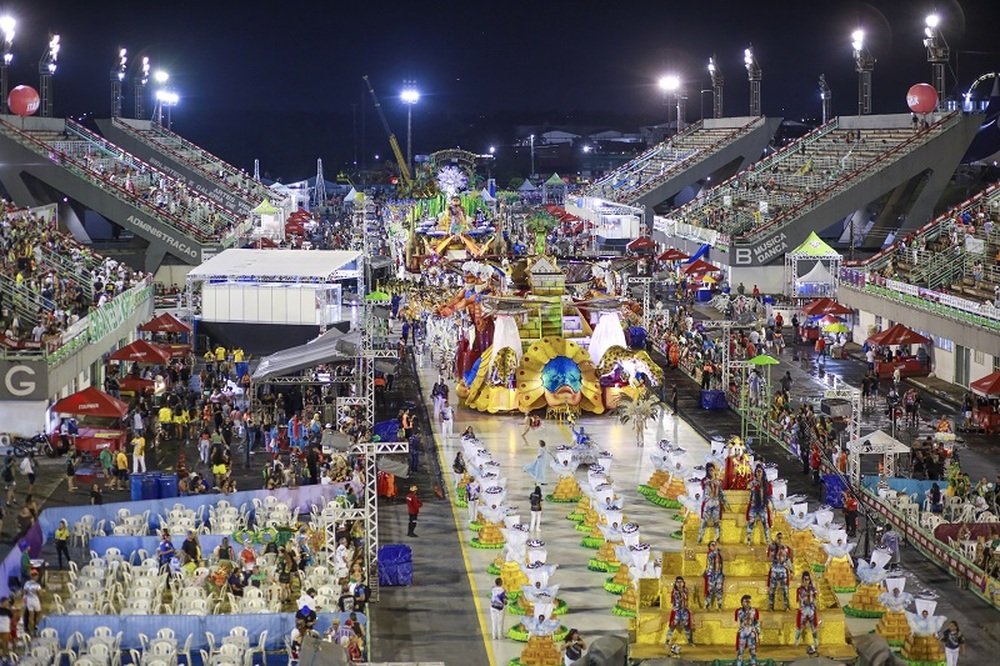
point(139, 353)
point(169, 333)
point(986, 410)
point(99, 416)
point(811, 269)
point(910, 365)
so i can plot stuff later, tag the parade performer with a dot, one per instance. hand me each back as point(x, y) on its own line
point(713, 499)
point(778, 576)
point(680, 613)
point(806, 596)
point(893, 626)
point(564, 466)
point(779, 545)
point(715, 578)
point(739, 466)
point(536, 469)
point(838, 567)
point(759, 507)
point(923, 644)
point(748, 631)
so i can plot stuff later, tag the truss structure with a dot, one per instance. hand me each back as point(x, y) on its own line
point(645, 282)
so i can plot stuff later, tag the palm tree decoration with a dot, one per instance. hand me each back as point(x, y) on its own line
point(637, 412)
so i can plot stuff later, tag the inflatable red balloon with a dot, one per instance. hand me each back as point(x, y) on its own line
point(922, 98)
point(23, 101)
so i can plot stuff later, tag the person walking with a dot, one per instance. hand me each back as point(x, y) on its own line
point(121, 470)
point(62, 542)
point(535, 500)
point(498, 608)
point(413, 505)
point(537, 468)
point(674, 399)
point(572, 647)
point(71, 471)
point(447, 420)
point(28, 468)
point(138, 454)
point(954, 643)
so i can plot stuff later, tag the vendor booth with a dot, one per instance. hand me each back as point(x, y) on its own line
point(100, 419)
point(811, 269)
point(169, 333)
point(139, 352)
point(876, 452)
point(986, 410)
point(910, 365)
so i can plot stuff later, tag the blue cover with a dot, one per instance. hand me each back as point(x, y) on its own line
point(386, 430)
point(637, 337)
point(713, 400)
point(395, 565)
point(833, 487)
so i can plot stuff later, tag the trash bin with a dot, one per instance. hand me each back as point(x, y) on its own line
point(167, 486)
point(148, 487)
point(135, 486)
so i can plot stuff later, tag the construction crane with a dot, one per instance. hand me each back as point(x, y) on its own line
point(404, 169)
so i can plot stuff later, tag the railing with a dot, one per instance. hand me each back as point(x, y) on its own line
point(939, 303)
point(641, 158)
point(92, 329)
point(851, 178)
point(165, 140)
point(26, 302)
point(79, 169)
point(64, 267)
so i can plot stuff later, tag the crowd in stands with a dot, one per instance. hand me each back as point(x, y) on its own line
point(49, 281)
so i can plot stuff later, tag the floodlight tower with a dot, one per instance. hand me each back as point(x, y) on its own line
point(938, 54)
point(864, 65)
point(7, 25)
point(141, 79)
point(717, 81)
point(754, 75)
point(117, 76)
point(410, 96)
point(46, 68)
point(671, 84)
point(161, 77)
point(826, 97)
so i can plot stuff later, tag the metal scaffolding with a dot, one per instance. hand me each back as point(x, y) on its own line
point(644, 281)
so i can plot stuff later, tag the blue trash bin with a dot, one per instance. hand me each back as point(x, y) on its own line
point(148, 487)
point(167, 485)
point(135, 486)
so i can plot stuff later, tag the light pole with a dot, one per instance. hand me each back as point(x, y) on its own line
point(864, 65)
point(717, 81)
point(754, 75)
point(938, 54)
point(7, 25)
point(532, 140)
point(161, 77)
point(46, 68)
point(141, 78)
point(117, 76)
point(671, 84)
point(826, 97)
point(410, 96)
point(169, 99)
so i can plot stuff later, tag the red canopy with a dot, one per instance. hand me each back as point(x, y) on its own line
point(699, 266)
point(165, 323)
point(141, 351)
point(898, 335)
point(641, 243)
point(672, 254)
point(988, 386)
point(825, 306)
point(91, 402)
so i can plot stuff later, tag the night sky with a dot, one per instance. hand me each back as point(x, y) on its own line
point(277, 80)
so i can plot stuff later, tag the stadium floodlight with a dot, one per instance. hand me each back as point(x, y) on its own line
point(46, 68)
point(141, 79)
point(864, 65)
point(410, 96)
point(754, 75)
point(671, 85)
point(938, 54)
point(717, 81)
point(7, 25)
point(118, 70)
point(161, 76)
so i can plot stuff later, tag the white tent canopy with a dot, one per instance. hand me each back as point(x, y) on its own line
point(819, 274)
point(332, 346)
point(874, 443)
point(280, 265)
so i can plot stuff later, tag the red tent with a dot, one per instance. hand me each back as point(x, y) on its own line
point(165, 323)
point(141, 351)
point(988, 386)
point(672, 254)
point(898, 335)
point(91, 402)
point(641, 243)
point(825, 306)
point(700, 266)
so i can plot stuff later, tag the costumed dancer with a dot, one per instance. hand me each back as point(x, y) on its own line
point(536, 469)
point(713, 501)
point(748, 631)
point(564, 466)
point(923, 644)
point(759, 507)
point(739, 466)
point(680, 614)
point(870, 574)
point(715, 578)
point(838, 569)
point(806, 596)
point(892, 626)
point(778, 576)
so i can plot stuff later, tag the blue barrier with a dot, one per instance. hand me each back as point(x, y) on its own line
point(905, 486)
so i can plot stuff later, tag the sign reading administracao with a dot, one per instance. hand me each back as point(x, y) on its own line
point(181, 245)
point(762, 252)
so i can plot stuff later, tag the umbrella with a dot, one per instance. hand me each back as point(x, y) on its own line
point(825, 306)
point(708, 279)
point(672, 254)
point(700, 266)
point(988, 386)
point(378, 296)
point(827, 319)
point(837, 327)
point(641, 243)
point(763, 359)
point(898, 335)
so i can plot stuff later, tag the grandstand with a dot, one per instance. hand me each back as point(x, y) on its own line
point(712, 147)
point(831, 173)
point(209, 175)
point(100, 176)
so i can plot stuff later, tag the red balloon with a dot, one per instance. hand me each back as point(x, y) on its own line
point(922, 98)
point(23, 101)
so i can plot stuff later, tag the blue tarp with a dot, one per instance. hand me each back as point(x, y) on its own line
point(395, 565)
point(386, 430)
point(833, 491)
